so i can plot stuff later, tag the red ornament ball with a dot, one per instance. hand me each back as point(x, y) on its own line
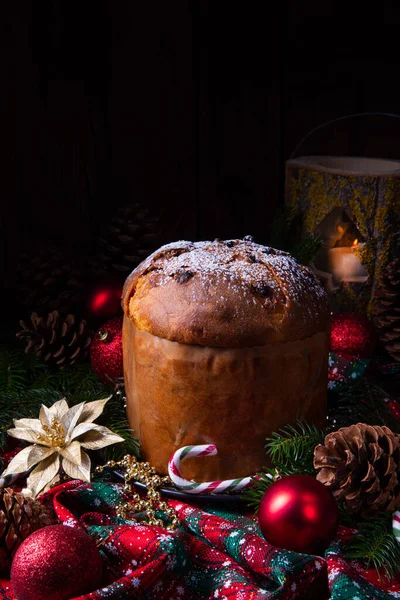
point(352, 335)
point(106, 351)
point(298, 513)
point(56, 563)
point(105, 301)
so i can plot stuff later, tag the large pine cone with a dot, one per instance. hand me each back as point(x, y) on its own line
point(387, 309)
point(360, 464)
point(19, 517)
point(57, 339)
point(47, 280)
point(132, 235)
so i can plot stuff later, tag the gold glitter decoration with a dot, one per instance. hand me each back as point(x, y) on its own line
point(144, 507)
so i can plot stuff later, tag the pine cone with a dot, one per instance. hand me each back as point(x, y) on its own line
point(387, 309)
point(132, 235)
point(360, 464)
point(57, 339)
point(19, 517)
point(47, 281)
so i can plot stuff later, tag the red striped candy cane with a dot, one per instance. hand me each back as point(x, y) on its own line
point(396, 525)
point(208, 487)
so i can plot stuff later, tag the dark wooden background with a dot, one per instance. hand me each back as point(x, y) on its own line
point(190, 108)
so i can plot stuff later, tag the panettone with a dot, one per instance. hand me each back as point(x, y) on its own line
point(223, 342)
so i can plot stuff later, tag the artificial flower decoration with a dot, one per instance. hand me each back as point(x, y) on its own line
point(59, 436)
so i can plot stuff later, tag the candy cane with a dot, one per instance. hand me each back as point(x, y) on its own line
point(396, 525)
point(208, 487)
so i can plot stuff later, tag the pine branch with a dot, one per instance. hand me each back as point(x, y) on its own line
point(264, 479)
point(376, 544)
point(261, 483)
point(22, 404)
point(77, 379)
point(26, 383)
point(291, 450)
point(277, 233)
point(13, 371)
point(130, 445)
point(114, 417)
point(286, 233)
point(306, 249)
point(362, 401)
point(348, 519)
point(291, 446)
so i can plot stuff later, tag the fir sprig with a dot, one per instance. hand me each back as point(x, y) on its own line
point(130, 444)
point(115, 416)
point(291, 450)
point(286, 233)
point(362, 401)
point(294, 446)
point(305, 250)
point(376, 544)
point(13, 371)
point(261, 483)
point(263, 480)
point(77, 380)
point(26, 383)
point(20, 405)
point(279, 226)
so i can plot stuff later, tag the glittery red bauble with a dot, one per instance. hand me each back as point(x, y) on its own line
point(298, 513)
point(106, 351)
point(56, 563)
point(352, 335)
point(105, 301)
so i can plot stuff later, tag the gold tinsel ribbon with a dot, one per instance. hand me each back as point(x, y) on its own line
point(143, 509)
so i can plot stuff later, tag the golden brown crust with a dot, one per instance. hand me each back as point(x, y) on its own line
point(179, 395)
point(228, 294)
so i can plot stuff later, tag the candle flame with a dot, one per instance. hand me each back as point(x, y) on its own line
point(355, 242)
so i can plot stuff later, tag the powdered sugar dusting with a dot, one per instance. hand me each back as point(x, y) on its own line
point(230, 293)
point(256, 273)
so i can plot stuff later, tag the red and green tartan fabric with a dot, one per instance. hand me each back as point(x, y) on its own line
point(214, 554)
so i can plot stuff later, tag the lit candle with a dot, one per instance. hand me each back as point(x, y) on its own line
point(345, 265)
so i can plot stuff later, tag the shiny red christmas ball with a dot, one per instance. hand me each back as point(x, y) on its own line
point(56, 563)
point(298, 513)
point(352, 335)
point(105, 301)
point(106, 351)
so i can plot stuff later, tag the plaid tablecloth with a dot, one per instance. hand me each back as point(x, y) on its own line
point(213, 554)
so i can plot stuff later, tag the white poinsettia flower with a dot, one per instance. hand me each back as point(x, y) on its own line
point(59, 437)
